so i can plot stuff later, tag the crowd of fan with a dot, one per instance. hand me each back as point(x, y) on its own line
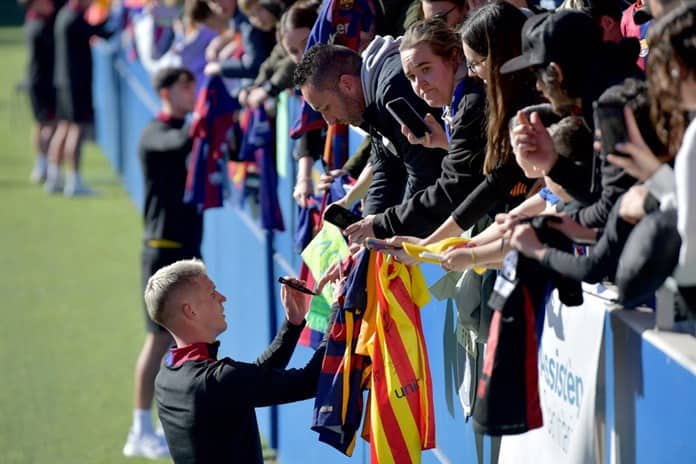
point(520, 100)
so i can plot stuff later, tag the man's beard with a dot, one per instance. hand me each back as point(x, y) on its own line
point(354, 110)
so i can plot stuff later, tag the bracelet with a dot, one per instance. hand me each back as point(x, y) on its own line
point(304, 178)
point(473, 257)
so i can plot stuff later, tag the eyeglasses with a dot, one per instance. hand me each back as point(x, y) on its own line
point(472, 65)
point(442, 15)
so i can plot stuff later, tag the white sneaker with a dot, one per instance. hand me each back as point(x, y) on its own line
point(74, 187)
point(38, 173)
point(53, 184)
point(147, 445)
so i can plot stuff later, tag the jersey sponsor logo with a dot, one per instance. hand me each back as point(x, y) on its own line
point(407, 389)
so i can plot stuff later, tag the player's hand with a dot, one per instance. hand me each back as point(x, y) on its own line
point(295, 303)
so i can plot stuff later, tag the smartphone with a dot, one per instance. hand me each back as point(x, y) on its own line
point(296, 286)
point(609, 119)
point(380, 245)
point(340, 216)
point(403, 112)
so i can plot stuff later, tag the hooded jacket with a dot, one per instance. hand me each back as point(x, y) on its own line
point(400, 169)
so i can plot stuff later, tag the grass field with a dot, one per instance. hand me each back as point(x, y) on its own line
point(71, 317)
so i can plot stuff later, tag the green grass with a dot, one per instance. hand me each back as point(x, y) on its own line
point(71, 323)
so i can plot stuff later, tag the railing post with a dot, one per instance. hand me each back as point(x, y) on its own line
point(272, 322)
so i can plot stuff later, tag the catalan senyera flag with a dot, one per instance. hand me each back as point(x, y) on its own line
point(401, 409)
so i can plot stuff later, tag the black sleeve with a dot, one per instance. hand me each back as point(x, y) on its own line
point(263, 386)
point(166, 141)
point(311, 143)
point(490, 194)
point(358, 160)
point(280, 350)
point(268, 66)
point(604, 258)
point(615, 182)
point(282, 77)
point(575, 178)
point(580, 268)
point(461, 174)
point(389, 178)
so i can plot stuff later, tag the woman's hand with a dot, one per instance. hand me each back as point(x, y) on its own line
point(327, 178)
point(435, 138)
point(304, 188)
point(631, 208)
point(458, 259)
point(524, 239)
point(641, 163)
point(256, 97)
point(359, 231)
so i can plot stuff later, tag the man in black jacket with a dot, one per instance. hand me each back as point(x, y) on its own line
point(173, 231)
point(206, 404)
point(349, 89)
point(38, 28)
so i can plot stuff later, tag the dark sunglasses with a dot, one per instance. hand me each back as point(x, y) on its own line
point(442, 15)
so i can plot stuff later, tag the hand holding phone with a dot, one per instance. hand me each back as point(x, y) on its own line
point(610, 120)
point(340, 216)
point(404, 113)
point(294, 285)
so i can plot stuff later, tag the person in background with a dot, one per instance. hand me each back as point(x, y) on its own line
point(207, 405)
point(607, 15)
point(256, 38)
point(452, 12)
point(202, 25)
point(173, 230)
point(72, 78)
point(38, 28)
point(275, 73)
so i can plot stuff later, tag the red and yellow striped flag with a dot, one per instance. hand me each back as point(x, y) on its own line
point(401, 409)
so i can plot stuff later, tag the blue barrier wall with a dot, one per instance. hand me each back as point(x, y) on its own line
point(646, 392)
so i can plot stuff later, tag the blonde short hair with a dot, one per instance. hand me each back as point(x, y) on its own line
point(167, 280)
